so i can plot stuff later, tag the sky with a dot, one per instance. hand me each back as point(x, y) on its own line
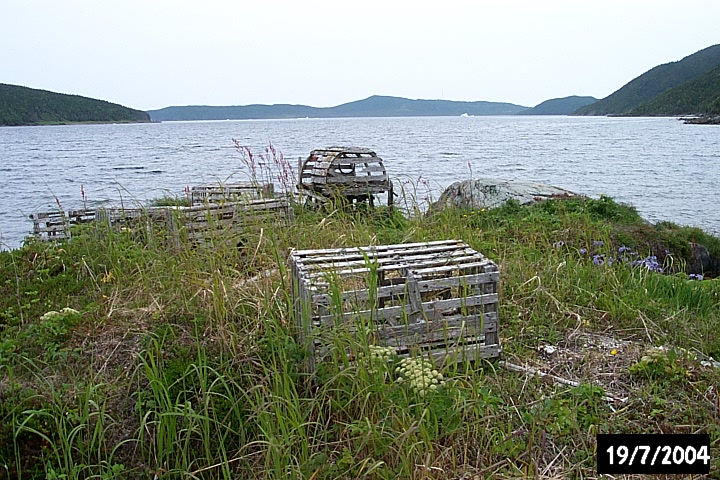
point(150, 54)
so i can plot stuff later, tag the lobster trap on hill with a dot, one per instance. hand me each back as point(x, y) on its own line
point(230, 192)
point(435, 299)
point(350, 173)
point(56, 225)
point(207, 223)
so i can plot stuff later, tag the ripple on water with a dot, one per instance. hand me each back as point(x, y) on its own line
point(668, 170)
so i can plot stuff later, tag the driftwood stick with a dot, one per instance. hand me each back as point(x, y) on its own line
point(259, 276)
point(564, 381)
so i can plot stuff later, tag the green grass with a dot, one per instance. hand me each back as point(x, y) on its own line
point(182, 362)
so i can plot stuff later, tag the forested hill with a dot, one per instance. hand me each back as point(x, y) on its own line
point(559, 106)
point(654, 82)
point(700, 96)
point(375, 106)
point(29, 106)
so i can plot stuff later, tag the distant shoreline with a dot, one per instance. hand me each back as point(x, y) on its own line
point(703, 120)
point(54, 124)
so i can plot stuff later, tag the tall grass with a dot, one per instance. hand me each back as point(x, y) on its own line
point(184, 360)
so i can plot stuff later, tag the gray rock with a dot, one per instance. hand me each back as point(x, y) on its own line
point(701, 262)
point(493, 192)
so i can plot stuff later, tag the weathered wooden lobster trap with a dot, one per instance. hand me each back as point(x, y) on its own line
point(351, 173)
point(216, 222)
point(435, 299)
point(230, 193)
point(56, 225)
point(216, 211)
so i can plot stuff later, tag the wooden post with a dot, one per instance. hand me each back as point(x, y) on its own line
point(268, 190)
point(413, 297)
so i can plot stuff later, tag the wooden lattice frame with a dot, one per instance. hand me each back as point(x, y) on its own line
point(199, 223)
point(439, 299)
point(350, 172)
point(230, 192)
point(56, 225)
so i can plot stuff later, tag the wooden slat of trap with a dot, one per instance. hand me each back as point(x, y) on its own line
point(428, 309)
point(55, 225)
point(424, 286)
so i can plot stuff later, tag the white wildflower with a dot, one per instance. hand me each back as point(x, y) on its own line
point(49, 315)
point(420, 375)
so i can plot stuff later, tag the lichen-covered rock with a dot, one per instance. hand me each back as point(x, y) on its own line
point(493, 192)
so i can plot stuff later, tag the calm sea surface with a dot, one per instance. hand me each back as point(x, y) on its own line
point(668, 170)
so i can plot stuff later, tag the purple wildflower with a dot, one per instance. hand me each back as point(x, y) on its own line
point(623, 249)
point(583, 251)
point(650, 263)
point(695, 276)
point(598, 259)
point(598, 243)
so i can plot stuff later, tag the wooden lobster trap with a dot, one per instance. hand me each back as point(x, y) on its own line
point(209, 222)
point(352, 173)
point(435, 299)
point(228, 221)
point(56, 225)
point(230, 192)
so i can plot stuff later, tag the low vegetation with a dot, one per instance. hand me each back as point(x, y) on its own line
point(166, 363)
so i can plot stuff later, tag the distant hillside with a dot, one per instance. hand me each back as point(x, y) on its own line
point(204, 112)
point(402, 107)
point(375, 106)
point(700, 96)
point(29, 106)
point(559, 106)
point(654, 82)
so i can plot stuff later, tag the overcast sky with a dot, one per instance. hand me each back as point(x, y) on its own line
point(149, 54)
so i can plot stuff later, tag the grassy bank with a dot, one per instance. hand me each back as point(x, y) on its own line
point(181, 363)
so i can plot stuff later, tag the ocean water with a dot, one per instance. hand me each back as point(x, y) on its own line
point(667, 170)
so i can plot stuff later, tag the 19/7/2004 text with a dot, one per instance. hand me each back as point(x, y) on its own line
point(653, 453)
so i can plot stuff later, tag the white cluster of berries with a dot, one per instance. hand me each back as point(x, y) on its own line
point(381, 353)
point(657, 354)
point(65, 311)
point(420, 375)
point(379, 356)
point(654, 355)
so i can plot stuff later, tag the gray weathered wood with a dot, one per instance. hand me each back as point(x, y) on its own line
point(56, 225)
point(428, 309)
point(423, 285)
point(199, 221)
point(347, 257)
point(435, 298)
point(354, 173)
point(233, 192)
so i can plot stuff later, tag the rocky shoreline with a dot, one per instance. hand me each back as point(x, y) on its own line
point(488, 193)
point(702, 120)
point(492, 192)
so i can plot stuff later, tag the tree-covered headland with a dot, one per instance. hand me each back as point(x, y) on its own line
point(28, 106)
